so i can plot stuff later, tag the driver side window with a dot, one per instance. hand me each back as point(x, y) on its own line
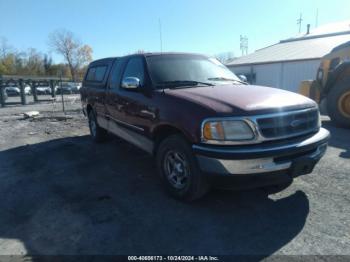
point(135, 68)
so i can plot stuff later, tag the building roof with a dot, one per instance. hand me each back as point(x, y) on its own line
point(306, 47)
point(336, 27)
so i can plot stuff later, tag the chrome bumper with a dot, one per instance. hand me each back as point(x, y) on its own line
point(240, 167)
point(229, 162)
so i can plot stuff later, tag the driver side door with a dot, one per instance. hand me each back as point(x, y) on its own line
point(131, 111)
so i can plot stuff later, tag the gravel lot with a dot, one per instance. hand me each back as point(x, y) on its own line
point(62, 194)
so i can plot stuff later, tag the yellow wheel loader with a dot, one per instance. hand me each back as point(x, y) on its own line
point(332, 84)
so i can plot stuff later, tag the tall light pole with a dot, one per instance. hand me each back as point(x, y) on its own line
point(244, 45)
point(160, 35)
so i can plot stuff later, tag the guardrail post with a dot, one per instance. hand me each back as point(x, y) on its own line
point(35, 95)
point(23, 95)
point(52, 86)
point(2, 95)
point(62, 97)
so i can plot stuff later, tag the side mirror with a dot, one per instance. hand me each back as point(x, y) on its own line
point(243, 78)
point(131, 83)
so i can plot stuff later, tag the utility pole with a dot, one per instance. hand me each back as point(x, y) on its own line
point(160, 35)
point(316, 20)
point(244, 45)
point(299, 22)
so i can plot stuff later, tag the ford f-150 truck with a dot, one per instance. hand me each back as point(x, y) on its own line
point(204, 126)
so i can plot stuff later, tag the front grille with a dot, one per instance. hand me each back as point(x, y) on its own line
point(288, 124)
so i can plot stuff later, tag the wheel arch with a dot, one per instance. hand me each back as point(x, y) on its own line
point(163, 131)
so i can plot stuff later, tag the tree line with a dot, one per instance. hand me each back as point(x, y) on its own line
point(75, 54)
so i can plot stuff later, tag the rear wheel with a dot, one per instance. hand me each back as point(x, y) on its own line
point(98, 134)
point(179, 170)
point(338, 103)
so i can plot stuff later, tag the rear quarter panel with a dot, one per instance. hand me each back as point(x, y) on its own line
point(91, 92)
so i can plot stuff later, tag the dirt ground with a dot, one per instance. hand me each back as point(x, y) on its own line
point(62, 194)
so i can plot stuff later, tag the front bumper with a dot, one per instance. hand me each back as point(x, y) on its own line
point(296, 156)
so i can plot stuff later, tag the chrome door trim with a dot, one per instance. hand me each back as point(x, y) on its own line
point(124, 123)
point(132, 137)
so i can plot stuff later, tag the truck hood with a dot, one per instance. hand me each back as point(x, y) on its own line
point(238, 98)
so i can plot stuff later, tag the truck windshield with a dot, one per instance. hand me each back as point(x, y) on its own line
point(177, 69)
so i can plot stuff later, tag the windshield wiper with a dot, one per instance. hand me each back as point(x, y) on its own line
point(225, 79)
point(183, 83)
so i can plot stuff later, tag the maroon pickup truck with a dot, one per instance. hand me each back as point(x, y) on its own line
point(204, 126)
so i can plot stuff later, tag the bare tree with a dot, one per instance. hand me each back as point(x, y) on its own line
point(74, 52)
point(5, 48)
point(225, 57)
point(47, 61)
point(34, 62)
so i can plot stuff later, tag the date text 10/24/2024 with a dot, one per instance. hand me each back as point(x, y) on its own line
point(173, 258)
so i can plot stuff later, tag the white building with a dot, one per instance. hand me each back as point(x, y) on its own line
point(287, 63)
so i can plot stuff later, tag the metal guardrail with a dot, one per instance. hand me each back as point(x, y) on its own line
point(33, 82)
point(34, 78)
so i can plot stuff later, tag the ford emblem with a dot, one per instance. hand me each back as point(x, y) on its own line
point(295, 123)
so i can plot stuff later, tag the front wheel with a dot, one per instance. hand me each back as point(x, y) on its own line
point(98, 134)
point(338, 103)
point(179, 170)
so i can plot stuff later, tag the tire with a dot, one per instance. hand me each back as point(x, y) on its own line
point(277, 188)
point(97, 133)
point(175, 156)
point(338, 103)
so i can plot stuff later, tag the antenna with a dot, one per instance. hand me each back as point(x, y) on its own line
point(160, 35)
point(299, 22)
point(316, 21)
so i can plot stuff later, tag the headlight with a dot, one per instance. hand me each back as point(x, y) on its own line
point(226, 130)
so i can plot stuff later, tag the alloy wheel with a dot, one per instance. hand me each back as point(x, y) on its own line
point(176, 169)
